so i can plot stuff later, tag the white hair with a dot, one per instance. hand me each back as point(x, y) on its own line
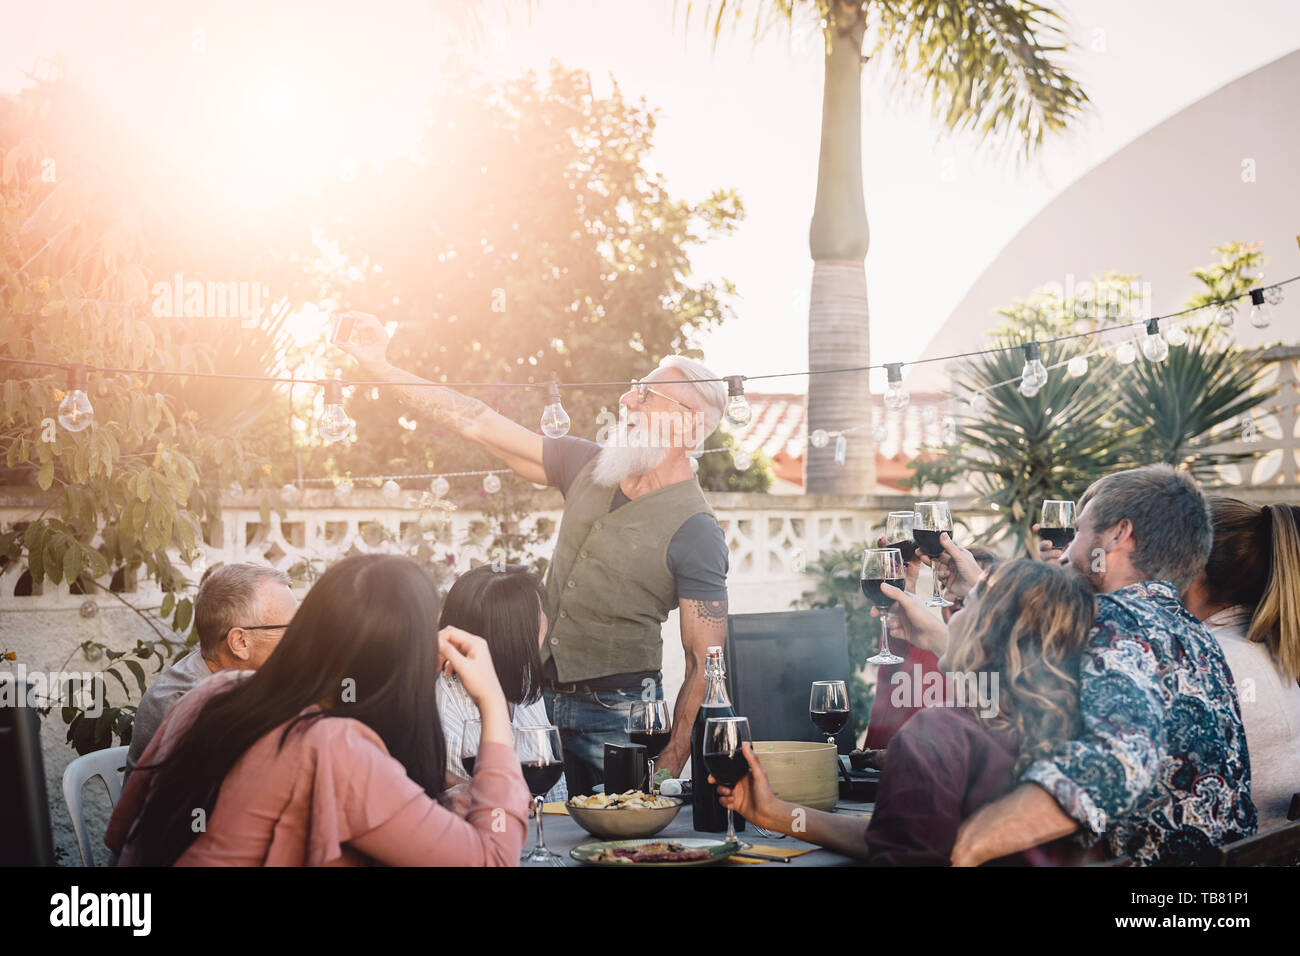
point(712, 404)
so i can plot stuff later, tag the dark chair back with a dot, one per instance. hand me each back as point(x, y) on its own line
point(25, 835)
point(772, 660)
point(1277, 847)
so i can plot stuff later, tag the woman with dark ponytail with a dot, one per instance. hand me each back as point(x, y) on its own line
point(1249, 598)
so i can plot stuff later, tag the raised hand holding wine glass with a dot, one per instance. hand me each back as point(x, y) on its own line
point(724, 758)
point(933, 518)
point(881, 566)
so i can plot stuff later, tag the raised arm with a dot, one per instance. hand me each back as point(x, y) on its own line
point(518, 447)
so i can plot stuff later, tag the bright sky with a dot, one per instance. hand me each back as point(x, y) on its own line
point(354, 79)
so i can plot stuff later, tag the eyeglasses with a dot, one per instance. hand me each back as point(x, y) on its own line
point(258, 627)
point(643, 389)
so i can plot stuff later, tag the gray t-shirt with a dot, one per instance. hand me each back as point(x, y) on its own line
point(172, 684)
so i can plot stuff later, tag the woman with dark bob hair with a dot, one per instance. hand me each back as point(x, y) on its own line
point(1011, 696)
point(332, 752)
point(507, 609)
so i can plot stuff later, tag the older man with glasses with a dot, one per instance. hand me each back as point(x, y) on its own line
point(240, 614)
point(636, 541)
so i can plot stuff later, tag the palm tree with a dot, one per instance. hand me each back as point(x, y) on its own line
point(987, 67)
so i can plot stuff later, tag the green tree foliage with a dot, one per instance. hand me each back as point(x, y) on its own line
point(1074, 430)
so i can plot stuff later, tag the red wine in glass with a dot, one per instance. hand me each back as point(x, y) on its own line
point(830, 722)
point(724, 758)
point(654, 741)
point(727, 766)
point(1059, 538)
point(542, 775)
point(927, 542)
point(872, 591)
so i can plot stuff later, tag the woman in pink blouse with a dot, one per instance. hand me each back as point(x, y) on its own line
point(331, 753)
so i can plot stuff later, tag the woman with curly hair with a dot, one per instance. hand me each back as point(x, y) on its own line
point(1019, 637)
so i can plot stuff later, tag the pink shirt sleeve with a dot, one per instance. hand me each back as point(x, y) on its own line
point(363, 798)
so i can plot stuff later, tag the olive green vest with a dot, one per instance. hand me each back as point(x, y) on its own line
point(609, 588)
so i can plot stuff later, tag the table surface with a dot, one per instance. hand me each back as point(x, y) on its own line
point(563, 834)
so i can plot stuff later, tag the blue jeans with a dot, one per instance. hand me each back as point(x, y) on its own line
point(587, 720)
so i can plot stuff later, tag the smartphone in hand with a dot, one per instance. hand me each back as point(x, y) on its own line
point(341, 333)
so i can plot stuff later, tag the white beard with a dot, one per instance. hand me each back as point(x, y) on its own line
point(621, 458)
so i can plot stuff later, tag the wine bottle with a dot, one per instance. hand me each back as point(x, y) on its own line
point(709, 815)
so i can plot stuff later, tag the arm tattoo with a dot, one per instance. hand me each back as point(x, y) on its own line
point(710, 612)
point(446, 407)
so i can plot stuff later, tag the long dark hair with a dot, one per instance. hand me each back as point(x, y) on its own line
point(365, 639)
point(1031, 626)
point(501, 607)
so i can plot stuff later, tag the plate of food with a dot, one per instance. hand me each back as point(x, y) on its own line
point(623, 815)
point(682, 851)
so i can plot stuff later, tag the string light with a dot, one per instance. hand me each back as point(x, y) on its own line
point(75, 411)
point(391, 491)
point(334, 424)
point(1154, 346)
point(738, 411)
point(1034, 375)
point(896, 397)
point(1273, 295)
point(1225, 316)
point(555, 420)
point(1176, 337)
point(1261, 313)
point(1077, 367)
point(290, 494)
point(820, 437)
point(491, 484)
point(979, 404)
point(1125, 353)
point(880, 434)
point(440, 486)
point(741, 460)
point(342, 490)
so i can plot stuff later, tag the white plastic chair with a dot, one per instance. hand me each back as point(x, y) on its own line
point(108, 765)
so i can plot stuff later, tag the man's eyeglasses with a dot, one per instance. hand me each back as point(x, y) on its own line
point(259, 627)
point(643, 390)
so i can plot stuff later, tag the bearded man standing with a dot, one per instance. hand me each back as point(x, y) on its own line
point(637, 539)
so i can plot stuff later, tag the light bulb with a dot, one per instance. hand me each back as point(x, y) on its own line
point(75, 411)
point(290, 494)
point(334, 424)
point(234, 489)
point(1261, 313)
point(343, 489)
point(555, 420)
point(1034, 374)
point(841, 449)
point(820, 437)
point(1078, 367)
point(491, 484)
point(738, 410)
point(695, 466)
point(391, 491)
point(1273, 295)
point(896, 397)
point(1177, 336)
point(1154, 346)
point(1225, 316)
point(1125, 353)
point(741, 460)
point(880, 434)
point(979, 403)
point(929, 414)
point(440, 486)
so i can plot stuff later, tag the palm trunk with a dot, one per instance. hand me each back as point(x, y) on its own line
point(838, 240)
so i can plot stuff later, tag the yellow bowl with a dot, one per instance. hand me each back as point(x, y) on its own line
point(618, 823)
point(801, 771)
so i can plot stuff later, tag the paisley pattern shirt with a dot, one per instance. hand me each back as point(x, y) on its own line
point(1161, 769)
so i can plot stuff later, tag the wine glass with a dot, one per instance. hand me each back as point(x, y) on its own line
point(828, 705)
point(542, 761)
point(882, 566)
point(898, 533)
point(932, 519)
point(470, 735)
point(648, 724)
point(1057, 523)
point(724, 758)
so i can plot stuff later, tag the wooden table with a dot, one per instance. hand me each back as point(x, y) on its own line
point(563, 834)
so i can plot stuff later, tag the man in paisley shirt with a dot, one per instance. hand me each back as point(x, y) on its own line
point(1160, 769)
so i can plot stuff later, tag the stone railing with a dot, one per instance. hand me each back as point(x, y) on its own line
point(771, 538)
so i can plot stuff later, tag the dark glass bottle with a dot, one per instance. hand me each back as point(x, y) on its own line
point(710, 816)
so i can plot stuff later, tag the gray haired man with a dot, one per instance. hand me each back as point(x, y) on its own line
point(636, 541)
point(240, 614)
